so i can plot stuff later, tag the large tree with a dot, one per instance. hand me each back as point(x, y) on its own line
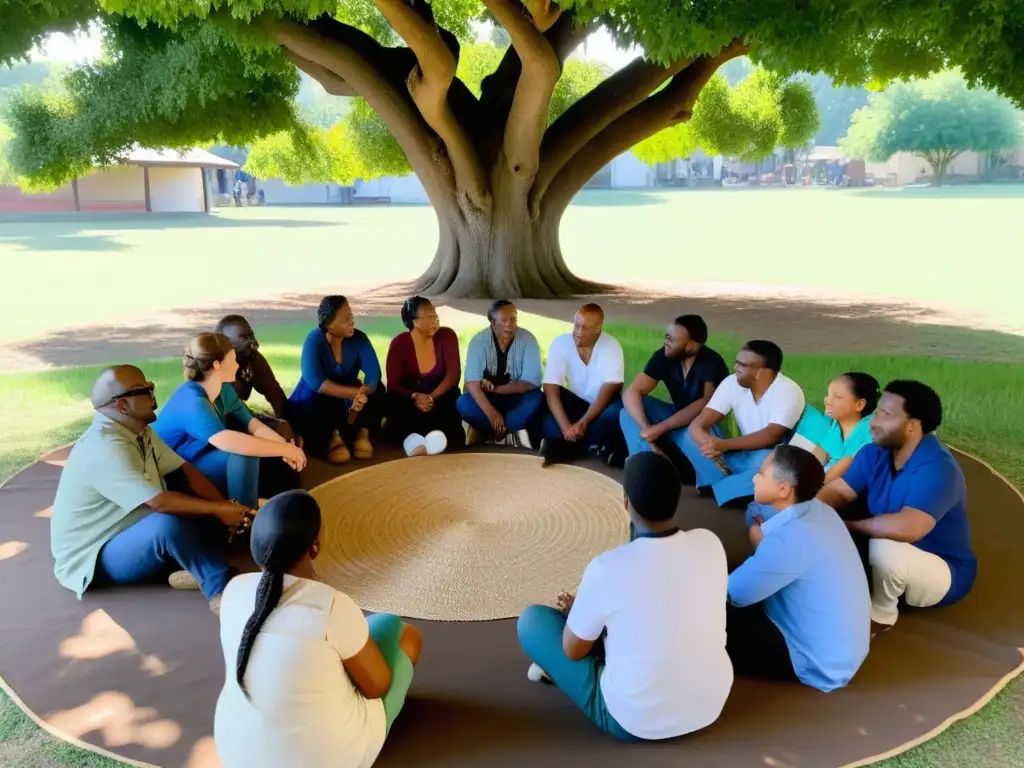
point(937, 118)
point(499, 176)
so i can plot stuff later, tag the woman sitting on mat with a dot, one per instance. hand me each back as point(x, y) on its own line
point(310, 681)
point(662, 671)
point(206, 424)
point(835, 436)
point(423, 382)
point(333, 408)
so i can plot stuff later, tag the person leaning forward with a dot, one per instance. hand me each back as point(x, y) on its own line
point(128, 509)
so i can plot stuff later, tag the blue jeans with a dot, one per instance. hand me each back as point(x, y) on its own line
point(656, 411)
point(519, 411)
point(386, 631)
point(159, 543)
point(540, 630)
point(234, 475)
point(604, 432)
point(743, 465)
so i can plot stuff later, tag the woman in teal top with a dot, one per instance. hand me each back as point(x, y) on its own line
point(836, 435)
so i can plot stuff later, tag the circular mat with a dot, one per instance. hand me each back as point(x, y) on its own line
point(464, 537)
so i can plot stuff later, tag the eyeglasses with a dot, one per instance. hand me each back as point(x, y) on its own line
point(147, 390)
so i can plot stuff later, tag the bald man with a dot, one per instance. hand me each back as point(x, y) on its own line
point(116, 519)
point(582, 388)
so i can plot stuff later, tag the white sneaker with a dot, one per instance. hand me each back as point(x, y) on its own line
point(413, 443)
point(435, 442)
point(537, 675)
point(523, 438)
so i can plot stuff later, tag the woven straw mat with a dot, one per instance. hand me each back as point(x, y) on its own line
point(464, 537)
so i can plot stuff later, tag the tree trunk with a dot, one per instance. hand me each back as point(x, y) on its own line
point(500, 252)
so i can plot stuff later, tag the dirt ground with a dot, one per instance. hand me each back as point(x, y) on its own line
point(800, 324)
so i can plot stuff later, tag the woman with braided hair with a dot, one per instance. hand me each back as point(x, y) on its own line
point(206, 424)
point(335, 410)
point(310, 681)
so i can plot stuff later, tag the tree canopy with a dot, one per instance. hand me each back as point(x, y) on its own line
point(937, 118)
point(762, 112)
point(498, 166)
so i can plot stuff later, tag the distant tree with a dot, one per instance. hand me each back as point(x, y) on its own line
point(937, 118)
point(313, 155)
point(7, 173)
point(762, 112)
point(836, 105)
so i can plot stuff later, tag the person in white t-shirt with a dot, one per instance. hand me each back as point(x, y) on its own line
point(310, 681)
point(659, 603)
point(766, 405)
point(583, 391)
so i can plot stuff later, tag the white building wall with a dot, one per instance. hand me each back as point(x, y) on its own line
point(398, 189)
point(277, 192)
point(629, 172)
point(115, 188)
point(176, 190)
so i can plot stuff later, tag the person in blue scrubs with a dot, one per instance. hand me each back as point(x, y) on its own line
point(336, 410)
point(837, 435)
point(799, 607)
point(690, 372)
point(915, 499)
point(206, 424)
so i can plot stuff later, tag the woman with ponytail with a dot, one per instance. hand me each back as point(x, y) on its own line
point(310, 681)
point(206, 424)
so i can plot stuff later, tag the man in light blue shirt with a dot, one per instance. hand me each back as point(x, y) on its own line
point(503, 396)
point(799, 606)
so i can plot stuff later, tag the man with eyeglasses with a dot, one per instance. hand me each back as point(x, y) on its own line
point(255, 373)
point(766, 405)
point(128, 509)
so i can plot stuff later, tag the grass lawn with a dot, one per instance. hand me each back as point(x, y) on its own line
point(951, 247)
point(984, 414)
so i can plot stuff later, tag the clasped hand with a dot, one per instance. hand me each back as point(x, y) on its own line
point(424, 402)
point(576, 431)
point(712, 448)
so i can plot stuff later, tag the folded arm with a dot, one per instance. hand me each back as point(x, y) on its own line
point(230, 441)
point(633, 395)
point(553, 396)
point(762, 575)
point(520, 387)
point(605, 395)
point(700, 427)
point(907, 525)
point(685, 416)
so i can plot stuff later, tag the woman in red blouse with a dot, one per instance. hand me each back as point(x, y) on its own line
point(424, 370)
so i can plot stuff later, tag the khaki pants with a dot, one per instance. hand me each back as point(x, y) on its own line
point(902, 570)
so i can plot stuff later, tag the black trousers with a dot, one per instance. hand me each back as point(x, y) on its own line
point(316, 420)
point(858, 510)
point(404, 418)
point(755, 645)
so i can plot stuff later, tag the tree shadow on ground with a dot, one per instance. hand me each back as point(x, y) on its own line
point(954, 192)
point(799, 326)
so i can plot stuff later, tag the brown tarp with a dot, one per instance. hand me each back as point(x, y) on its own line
point(137, 671)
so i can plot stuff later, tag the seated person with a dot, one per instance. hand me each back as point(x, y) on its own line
point(658, 602)
point(255, 373)
point(582, 388)
point(766, 404)
point(835, 436)
point(691, 372)
point(502, 395)
point(915, 499)
point(424, 369)
point(334, 408)
point(799, 607)
point(205, 423)
point(310, 681)
point(128, 509)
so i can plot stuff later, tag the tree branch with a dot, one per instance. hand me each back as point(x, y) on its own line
point(428, 84)
point(333, 84)
point(618, 94)
point(541, 69)
point(370, 69)
point(671, 105)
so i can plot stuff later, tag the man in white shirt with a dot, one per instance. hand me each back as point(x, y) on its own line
point(659, 602)
point(766, 405)
point(583, 390)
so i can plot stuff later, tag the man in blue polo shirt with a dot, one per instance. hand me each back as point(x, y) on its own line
point(691, 372)
point(799, 606)
point(916, 497)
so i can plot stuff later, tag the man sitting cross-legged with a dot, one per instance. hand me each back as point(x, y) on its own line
point(915, 498)
point(255, 373)
point(799, 606)
point(502, 375)
point(582, 390)
point(129, 509)
point(766, 404)
point(691, 372)
point(658, 601)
